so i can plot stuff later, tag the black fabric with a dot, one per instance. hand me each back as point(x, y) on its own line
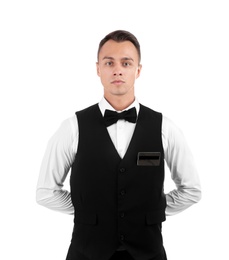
point(121, 255)
point(118, 255)
point(124, 255)
point(117, 201)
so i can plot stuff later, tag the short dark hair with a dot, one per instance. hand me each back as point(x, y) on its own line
point(121, 36)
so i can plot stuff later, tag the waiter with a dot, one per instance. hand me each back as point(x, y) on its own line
point(116, 151)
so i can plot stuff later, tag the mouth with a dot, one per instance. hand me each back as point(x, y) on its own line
point(117, 82)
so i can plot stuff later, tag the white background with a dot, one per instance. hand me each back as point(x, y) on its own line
point(47, 72)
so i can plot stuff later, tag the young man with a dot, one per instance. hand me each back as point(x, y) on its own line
point(117, 166)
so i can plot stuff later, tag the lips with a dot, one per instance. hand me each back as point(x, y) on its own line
point(118, 82)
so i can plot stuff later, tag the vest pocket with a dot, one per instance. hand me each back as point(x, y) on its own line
point(86, 218)
point(155, 217)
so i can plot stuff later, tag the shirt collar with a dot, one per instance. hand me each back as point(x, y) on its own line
point(104, 104)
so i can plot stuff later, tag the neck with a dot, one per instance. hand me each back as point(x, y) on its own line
point(119, 103)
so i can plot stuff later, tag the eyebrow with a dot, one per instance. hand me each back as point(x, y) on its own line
point(111, 58)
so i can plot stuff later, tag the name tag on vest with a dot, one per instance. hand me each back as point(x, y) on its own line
point(149, 158)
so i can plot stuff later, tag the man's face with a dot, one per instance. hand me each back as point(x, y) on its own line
point(118, 67)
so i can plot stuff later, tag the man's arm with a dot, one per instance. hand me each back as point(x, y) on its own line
point(56, 163)
point(183, 170)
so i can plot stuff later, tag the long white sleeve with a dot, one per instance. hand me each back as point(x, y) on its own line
point(56, 163)
point(183, 170)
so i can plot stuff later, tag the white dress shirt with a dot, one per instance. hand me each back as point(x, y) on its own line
point(62, 148)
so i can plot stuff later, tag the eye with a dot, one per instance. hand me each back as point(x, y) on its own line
point(126, 64)
point(109, 63)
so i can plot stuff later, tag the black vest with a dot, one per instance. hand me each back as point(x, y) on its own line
point(118, 201)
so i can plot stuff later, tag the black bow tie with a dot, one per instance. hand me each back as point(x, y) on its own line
point(111, 117)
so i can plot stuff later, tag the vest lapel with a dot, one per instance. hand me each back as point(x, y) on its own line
point(106, 135)
point(136, 132)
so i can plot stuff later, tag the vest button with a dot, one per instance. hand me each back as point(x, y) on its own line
point(122, 214)
point(122, 170)
point(122, 193)
point(122, 237)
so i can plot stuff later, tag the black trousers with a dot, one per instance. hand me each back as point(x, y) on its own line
point(121, 255)
point(118, 255)
point(124, 255)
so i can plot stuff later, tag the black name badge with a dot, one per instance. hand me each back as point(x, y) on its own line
point(149, 158)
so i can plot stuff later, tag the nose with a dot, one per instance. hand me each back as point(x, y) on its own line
point(117, 71)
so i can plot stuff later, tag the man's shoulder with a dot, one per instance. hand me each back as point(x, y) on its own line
point(150, 111)
point(87, 109)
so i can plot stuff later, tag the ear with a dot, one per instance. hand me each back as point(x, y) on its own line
point(97, 69)
point(138, 71)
